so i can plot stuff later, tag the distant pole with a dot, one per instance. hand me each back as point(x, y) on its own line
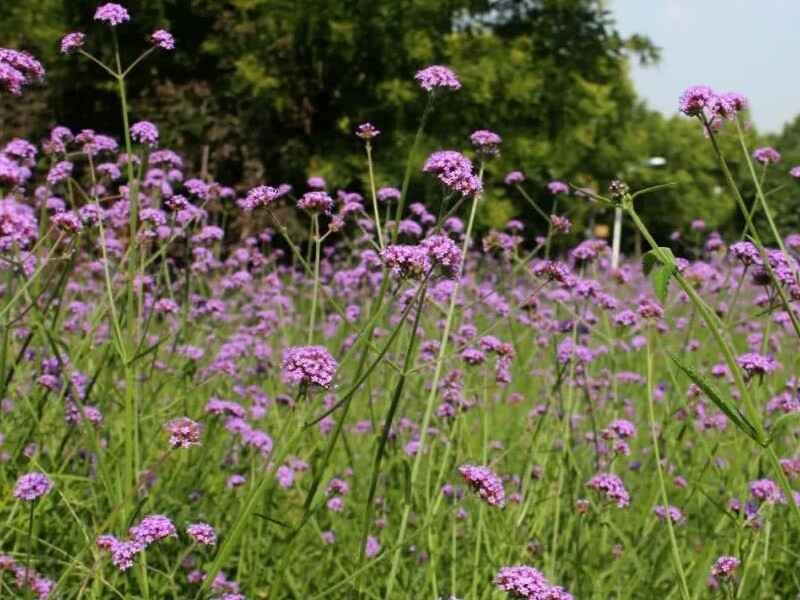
point(617, 237)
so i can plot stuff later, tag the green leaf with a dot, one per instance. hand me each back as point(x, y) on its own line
point(658, 270)
point(725, 405)
point(651, 259)
point(660, 277)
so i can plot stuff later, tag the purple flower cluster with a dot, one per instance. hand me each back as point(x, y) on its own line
point(527, 583)
point(18, 69)
point(202, 533)
point(366, 131)
point(454, 170)
point(316, 202)
point(612, 487)
point(72, 42)
point(725, 566)
point(263, 195)
point(163, 39)
point(754, 364)
point(307, 365)
point(673, 513)
point(437, 77)
point(112, 13)
point(485, 483)
point(144, 132)
point(767, 155)
point(486, 142)
point(700, 100)
point(32, 486)
point(150, 530)
point(184, 433)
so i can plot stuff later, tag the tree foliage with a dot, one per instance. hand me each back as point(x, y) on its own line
point(275, 89)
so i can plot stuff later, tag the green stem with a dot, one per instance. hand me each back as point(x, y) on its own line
point(676, 555)
point(317, 244)
point(374, 196)
point(437, 373)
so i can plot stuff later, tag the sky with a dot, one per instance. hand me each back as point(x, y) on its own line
point(747, 46)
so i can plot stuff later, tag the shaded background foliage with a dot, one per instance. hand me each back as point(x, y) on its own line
point(275, 88)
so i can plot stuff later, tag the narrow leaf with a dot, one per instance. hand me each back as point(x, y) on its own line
point(725, 405)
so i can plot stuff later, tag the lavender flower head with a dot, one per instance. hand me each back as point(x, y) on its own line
point(753, 364)
point(316, 202)
point(184, 433)
point(112, 13)
point(725, 566)
point(558, 187)
point(437, 77)
point(151, 529)
point(17, 70)
point(72, 42)
point(527, 583)
point(795, 172)
point(163, 39)
point(388, 194)
point(444, 253)
point(514, 177)
point(612, 487)
point(483, 481)
point(454, 170)
point(486, 142)
point(407, 261)
point(144, 132)
point(366, 131)
point(32, 486)
point(202, 533)
point(263, 195)
point(673, 513)
point(695, 100)
point(767, 155)
point(308, 365)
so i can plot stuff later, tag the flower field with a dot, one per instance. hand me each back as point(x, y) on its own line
point(199, 402)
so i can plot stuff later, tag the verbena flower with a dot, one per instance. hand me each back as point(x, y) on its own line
point(32, 486)
point(484, 481)
point(437, 77)
point(611, 487)
point(514, 177)
point(454, 170)
point(18, 69)
point(183, 433)
point(725, 567)
point(527, 583)
point(308, 365)
point(767, 155)
point(72, 42)
point(112, 13)
point(151, 529)
point(673, 513)
point(486, 142)
point(316, 202)
point(558, 187)
point(163, 39)
point(366, 131)
point(202, 533)
point(144, 132)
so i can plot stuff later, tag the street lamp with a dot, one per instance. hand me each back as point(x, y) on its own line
point(654, 162)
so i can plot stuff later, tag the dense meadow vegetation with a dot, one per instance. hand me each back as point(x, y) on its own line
point(283, 391)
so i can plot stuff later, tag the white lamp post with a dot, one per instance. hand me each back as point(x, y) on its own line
point(653, 161)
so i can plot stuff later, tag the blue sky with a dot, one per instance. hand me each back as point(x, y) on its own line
point(748, 46)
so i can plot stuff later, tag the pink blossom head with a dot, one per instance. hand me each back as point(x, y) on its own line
point(437, 77)
point(32, 486)
point(163, 39)
point(72, 42)
point(112, 13)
